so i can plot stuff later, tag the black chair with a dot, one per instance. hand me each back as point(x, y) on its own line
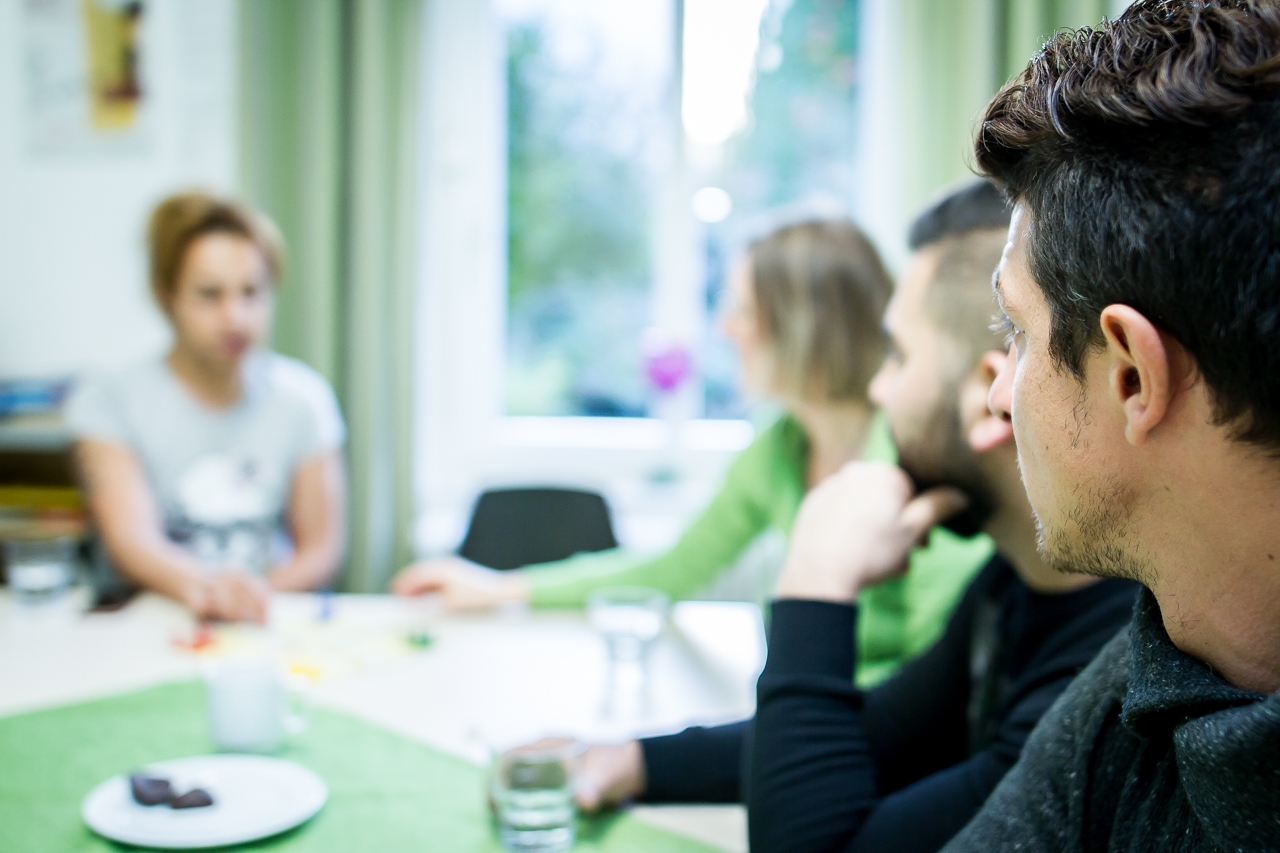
point(511, 528)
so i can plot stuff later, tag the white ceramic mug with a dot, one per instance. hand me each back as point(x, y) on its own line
point(252, 705)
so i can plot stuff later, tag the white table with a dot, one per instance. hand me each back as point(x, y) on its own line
point(485, 682)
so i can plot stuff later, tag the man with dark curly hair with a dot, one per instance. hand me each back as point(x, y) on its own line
point(1141, 286)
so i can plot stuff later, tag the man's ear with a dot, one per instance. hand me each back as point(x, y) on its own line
point(987, 431)
point(1139, 370)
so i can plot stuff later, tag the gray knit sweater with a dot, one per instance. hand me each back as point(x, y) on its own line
point(1148, 751)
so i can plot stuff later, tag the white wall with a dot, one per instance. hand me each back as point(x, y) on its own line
point(73, 288)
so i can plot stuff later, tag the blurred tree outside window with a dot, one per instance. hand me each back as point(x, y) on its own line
point(793, 159)
point(587, 90)
point(591, 112)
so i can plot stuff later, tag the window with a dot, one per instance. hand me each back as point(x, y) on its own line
point(577, 223)
point(595, 158)
point(589, 142)
point(786, 154)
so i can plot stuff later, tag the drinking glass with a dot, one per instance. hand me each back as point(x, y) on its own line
point(40, 570)
point(531, 792)
point(628, 619)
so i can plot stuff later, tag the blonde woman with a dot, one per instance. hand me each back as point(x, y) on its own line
point(213, 470)
point(803, 308)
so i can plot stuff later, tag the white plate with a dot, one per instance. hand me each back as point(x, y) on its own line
point(253, 797)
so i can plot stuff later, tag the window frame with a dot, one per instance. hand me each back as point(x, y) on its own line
point(655, 471)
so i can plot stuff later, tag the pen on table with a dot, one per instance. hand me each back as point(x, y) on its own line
point(326, 605)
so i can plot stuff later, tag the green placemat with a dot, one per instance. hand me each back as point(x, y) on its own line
point(386, 793)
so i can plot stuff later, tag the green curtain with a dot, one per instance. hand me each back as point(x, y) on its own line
point(954, 55)
point(328, 121)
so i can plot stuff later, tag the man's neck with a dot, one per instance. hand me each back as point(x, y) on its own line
point(215, 385)
point(1213, 549)
point(837, 433)
point(1012, 526)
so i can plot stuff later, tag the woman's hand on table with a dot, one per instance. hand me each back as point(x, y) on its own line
point(231, 595)
point(608, 774)
point(463, 584)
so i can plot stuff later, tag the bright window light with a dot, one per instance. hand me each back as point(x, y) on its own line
point(711, 205)
point(720, 41)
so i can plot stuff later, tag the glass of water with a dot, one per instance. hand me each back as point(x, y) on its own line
point(532, 796)
point(39, 570)
point(628, 619)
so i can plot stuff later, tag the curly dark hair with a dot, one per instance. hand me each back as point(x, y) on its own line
point(1147, 153)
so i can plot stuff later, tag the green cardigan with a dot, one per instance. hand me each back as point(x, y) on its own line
point(762, 489)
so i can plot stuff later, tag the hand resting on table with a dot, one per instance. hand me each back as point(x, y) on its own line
point(463, 585)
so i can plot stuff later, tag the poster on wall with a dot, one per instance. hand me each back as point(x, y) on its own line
point(85, 75)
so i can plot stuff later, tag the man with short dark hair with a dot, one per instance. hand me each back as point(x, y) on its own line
point(1142, 289)
point(903, 766)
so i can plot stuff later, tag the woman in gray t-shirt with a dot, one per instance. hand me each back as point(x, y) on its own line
point(214, 471)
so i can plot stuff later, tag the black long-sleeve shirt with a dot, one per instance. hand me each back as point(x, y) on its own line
point(904, 766)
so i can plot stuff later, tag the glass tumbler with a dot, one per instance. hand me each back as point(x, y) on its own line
point(39, 570)
point(532, 796)
point(628, 619)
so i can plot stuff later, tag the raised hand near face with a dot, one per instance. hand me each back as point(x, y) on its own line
point(857, 528)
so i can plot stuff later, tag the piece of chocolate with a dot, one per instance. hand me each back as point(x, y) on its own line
point(196, 798)
point(149, 790)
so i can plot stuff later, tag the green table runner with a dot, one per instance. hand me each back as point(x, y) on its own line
point(386, 793)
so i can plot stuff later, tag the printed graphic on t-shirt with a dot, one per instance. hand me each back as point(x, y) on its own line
point(227, 511)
